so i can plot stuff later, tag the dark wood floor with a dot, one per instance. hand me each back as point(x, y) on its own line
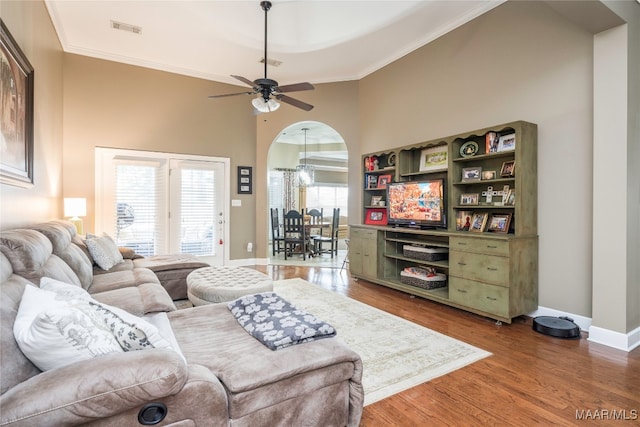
point(530, 379)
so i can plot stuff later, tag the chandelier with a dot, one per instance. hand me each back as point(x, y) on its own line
point(304, 172)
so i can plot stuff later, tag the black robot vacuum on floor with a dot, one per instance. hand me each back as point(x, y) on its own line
point(559, 327)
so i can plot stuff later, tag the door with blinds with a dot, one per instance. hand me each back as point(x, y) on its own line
point(161, 203)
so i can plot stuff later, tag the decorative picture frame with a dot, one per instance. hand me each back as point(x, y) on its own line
point(434, 159)
point(508, 169)
point(375, 216)
point(469, 199)
point(375, 200)
point(491, 142)
point(463, 220)
point(479, 222)
point(510, 200)
point(486, 175)
point(16, 126)
point(507, 142)
point(372, 182)
point(383, 180)
point(499, 223)
point(245, 180)
point(472, 174)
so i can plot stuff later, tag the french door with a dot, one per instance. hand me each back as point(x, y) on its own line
point(161, 203)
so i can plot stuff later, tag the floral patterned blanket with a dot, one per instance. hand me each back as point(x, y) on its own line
point(277, 323)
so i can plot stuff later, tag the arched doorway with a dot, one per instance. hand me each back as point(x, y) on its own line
point(323, 149)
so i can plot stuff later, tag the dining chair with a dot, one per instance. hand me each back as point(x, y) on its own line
point(331, 239)
point(314, 223)
point(295, 237)
point(277, 237)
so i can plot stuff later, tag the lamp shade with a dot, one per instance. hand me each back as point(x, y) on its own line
point(75, 207)
point(265, 106)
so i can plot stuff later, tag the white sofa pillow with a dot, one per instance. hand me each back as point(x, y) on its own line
point(104, 251)
point(52, 333)
point(132, 332)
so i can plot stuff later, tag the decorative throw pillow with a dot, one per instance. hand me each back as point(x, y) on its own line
point(104, 251)
point(52, 333)
point(131, 332)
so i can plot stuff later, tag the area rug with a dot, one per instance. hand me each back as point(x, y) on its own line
point(396, 354)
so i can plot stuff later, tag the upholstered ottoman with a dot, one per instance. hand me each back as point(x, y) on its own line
point(225, 283)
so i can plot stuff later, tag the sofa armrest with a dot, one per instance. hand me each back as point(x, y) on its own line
point(94, 389)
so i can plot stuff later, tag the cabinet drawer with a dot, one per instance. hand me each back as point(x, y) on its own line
point(485, 246)
point(481, 296)
point(485, 268)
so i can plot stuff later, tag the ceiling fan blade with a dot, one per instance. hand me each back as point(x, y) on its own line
point(245, 80)
point(295, 87)
point(296, 103)
point(231, 94)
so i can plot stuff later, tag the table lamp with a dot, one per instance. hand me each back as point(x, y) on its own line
point(76, 207)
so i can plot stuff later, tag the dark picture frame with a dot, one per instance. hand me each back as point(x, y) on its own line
point(16, 122)
point(499, 223)
point(245, 180)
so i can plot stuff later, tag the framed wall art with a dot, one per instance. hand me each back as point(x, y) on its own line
point(16, 121)
point(245, 184)
point(376, 216)
point(434, 159)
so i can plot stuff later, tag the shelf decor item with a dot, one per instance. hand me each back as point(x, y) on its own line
point(376, 216)
point(508, 169)
point(472, 174)
point(507, 142)
point(372, 182)
point(511, 198)
point(469, 149)
point(469, 199)
point(375, 200)
point(423, 277)
point(391, 160)
point(463, 220)
point(488, 175)
point(434, 159)
point(491, 141)
point(383, 180)
point(479, 221)
point(499, 223)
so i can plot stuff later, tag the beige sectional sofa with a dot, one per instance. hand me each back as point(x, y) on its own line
point(213, 374)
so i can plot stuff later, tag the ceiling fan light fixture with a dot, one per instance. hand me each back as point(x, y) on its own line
point(265, 106)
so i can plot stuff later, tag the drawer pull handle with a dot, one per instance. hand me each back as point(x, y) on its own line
point(462, 244)
point(491, 247)
point(462, 291)
point(462, 263)
point(492, 269)
point(492, 299)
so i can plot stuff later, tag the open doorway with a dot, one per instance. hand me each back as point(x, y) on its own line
point(323, 151)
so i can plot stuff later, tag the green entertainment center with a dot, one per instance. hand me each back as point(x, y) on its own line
point(484, 183)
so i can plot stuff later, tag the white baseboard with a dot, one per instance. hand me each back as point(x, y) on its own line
point(248, 261)
point(626, 342)
point(618, 340)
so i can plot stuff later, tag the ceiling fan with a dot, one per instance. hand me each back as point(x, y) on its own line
point(268, 89)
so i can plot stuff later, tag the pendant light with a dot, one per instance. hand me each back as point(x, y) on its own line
point(305, 172)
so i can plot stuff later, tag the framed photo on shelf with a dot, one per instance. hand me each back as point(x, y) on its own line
point(372, 181)
point(16, 120)
point(507, 142)
point(244, 180)
point(510, 200)
point(499, 223)
point(479, 221)
point(472, 174)
point(508, 169)
point(469, 199)
point(383, 180)
point(376, 216)
point(434, 159)
point(375, 200)
point(491, 142)
point(463, 220)
point(488, 175)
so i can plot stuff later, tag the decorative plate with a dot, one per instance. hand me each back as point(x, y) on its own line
point(392, 159)
point(468, 149)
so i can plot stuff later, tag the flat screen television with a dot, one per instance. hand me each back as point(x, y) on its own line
point(419, 204)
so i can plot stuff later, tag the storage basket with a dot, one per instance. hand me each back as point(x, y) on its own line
point(439, 280)
point(425, 253)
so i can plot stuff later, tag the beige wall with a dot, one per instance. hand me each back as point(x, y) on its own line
point(108, 104)
point(30, 26)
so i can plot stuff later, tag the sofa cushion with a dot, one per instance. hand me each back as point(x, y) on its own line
point(104, 251)
point(53, 333)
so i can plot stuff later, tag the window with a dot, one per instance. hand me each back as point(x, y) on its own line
point(159, 203)
point(328, 197)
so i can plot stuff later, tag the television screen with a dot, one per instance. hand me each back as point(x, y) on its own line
point(417, 203)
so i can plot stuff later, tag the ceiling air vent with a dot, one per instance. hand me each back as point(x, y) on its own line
point(272, 62)
point(126, 27)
